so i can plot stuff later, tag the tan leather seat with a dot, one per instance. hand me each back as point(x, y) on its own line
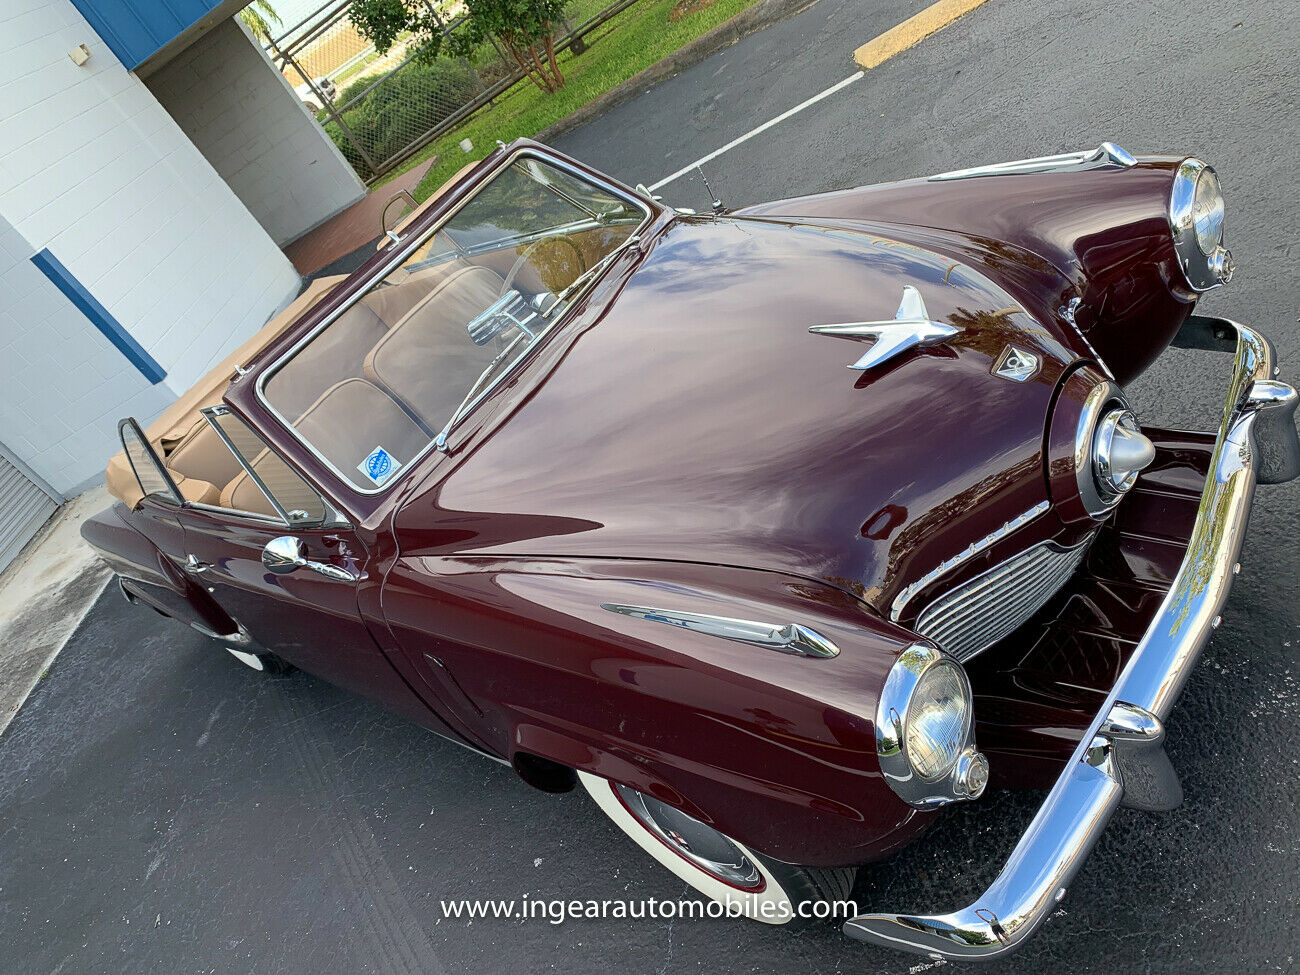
point(197, 491)
point(427, 360)
point(203, 455)
point(394, 297)
point(178, 420)
point(243, 494)
point(332, 356)
point(345, 425)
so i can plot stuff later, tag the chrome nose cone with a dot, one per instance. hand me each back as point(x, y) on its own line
point(1122, 451)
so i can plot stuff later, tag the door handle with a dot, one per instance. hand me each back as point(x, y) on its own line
point(194, 566)
point(288, 554)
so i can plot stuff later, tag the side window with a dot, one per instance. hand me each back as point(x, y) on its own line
point(268, 486)
point(148, 469)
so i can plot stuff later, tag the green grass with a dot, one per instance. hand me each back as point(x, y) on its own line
point(631, 42)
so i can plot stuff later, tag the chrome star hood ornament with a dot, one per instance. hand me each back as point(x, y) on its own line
point(911, 327)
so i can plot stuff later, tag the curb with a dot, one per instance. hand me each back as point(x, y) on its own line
point(763, 14)
point(912, 31)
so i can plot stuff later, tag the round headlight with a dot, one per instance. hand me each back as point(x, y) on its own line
point(937, 720)
point(1207, 212)
point(925, 737)
point(1196, 222)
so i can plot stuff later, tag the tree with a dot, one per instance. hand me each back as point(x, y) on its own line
point(259, 16)
point(524, 28)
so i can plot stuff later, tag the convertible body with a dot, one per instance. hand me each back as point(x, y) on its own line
point(738, 487)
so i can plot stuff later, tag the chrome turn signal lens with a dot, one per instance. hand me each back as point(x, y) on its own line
point(971, 774)
point(1120, 452)
point(1196, 210)
point(1110, 450)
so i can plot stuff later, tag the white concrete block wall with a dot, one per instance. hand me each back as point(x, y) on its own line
point(93, 168)
point(245, 118)
point(63, 386)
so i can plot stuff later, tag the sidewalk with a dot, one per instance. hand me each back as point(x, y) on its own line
point(44, 594)
point(315, 251)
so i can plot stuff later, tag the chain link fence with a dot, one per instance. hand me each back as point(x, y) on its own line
point(380, 109)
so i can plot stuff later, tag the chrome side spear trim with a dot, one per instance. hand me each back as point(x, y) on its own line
point(792, 638)
point(911, 327)
point(1106, 154)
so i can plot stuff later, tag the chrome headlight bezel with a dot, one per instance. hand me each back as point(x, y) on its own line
point(1196, 212)
point(966, 776)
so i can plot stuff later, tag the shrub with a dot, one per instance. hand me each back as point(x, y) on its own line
point(401, 108)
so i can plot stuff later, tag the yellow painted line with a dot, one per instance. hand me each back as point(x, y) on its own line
point(912, 31)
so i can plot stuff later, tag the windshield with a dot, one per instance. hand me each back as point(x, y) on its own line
point(397, 369)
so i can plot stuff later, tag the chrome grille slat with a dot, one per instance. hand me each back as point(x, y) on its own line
point(983, 610)
point(989, 591)
point(998, 610)
point(996, 628)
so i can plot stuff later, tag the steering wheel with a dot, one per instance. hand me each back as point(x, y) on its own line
point(533, 248)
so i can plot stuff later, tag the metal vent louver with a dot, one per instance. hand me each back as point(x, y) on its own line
point(979, 613)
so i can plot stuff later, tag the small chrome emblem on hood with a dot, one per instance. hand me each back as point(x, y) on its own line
point(1016, 364)
point(910, 327)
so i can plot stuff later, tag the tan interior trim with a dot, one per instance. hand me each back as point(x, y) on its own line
point(179, 419)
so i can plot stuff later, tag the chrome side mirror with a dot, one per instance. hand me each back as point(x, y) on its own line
point(284, 555)
point(288, 554)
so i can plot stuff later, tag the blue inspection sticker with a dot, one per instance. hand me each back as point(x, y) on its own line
point(379, 466)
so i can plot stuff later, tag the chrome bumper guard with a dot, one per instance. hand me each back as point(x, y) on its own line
point(1120, 760)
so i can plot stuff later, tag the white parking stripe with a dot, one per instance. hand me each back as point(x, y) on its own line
point(762, 128)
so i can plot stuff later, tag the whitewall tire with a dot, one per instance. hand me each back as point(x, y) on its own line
point(748, 884)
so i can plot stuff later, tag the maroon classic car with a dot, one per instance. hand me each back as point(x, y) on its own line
point(777, 529)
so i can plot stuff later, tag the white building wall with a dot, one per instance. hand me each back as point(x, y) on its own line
point(245, 118)
point(95, 170)
point(63, 386)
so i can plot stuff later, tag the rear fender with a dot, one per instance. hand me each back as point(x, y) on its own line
point(149, 575)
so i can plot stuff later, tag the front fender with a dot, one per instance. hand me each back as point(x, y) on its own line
point(774, 749)
point(1100, 235)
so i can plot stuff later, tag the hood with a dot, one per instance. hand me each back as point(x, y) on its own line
point(699, 420)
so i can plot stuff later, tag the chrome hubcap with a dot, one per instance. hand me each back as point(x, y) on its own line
point(692, 840)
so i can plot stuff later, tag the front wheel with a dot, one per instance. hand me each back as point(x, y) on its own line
point(746, 883)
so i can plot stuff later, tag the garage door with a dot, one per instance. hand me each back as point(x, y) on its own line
point(24, 508)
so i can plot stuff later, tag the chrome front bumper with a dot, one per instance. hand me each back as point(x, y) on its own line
point(1121, 759)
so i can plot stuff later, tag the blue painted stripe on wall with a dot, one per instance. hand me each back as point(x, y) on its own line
point(76, 293)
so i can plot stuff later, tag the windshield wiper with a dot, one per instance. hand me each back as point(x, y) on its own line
point(587, 275)
point(466, 404)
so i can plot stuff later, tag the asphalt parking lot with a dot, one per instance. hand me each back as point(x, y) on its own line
point(163, 808)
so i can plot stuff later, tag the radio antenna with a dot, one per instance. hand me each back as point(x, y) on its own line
point(717, 203)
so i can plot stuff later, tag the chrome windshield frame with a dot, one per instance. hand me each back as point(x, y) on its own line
point(402, 251)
